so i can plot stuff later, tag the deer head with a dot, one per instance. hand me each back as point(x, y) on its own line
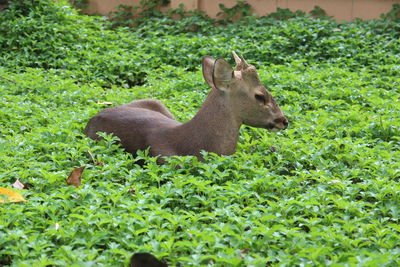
point(249, 100)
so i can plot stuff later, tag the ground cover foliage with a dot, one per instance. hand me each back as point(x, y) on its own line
point(323, 192)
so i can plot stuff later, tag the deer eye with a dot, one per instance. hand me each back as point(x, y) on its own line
point(261, 99)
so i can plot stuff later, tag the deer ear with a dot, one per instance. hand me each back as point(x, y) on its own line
point(208, 68)
point(222, 74)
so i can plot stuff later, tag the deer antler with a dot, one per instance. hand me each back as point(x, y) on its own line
point(245, 64)
point(240, 62)
point(236, 57)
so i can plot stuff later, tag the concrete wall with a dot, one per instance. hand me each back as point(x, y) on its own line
point(105, 6)
point(340, 9)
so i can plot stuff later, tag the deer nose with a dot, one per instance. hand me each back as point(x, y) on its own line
point(283, 121)
point(286, 123)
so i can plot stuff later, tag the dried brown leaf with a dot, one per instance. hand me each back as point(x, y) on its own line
point(95, 162)
point(99, 162)
point(132, 190)
point(243, 252)
point(75, 177)
point(18, 184)
point(7, 195)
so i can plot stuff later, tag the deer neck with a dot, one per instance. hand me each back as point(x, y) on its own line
point(214, 128)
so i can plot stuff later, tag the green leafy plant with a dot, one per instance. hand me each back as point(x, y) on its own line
point(239, 10)
point(124, 16)
point(131, 16)
point(393, 14)
point(319, 12)
point(79, 4)
point(284, 14)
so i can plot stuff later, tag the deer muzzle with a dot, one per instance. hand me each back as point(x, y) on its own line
point(278, 124)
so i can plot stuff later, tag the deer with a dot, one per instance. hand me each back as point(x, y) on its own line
point(237, 97)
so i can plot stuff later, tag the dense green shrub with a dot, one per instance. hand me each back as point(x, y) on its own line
point(323, 192)
point(67, 41)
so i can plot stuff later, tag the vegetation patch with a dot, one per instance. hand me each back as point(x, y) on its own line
point(323, 192)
